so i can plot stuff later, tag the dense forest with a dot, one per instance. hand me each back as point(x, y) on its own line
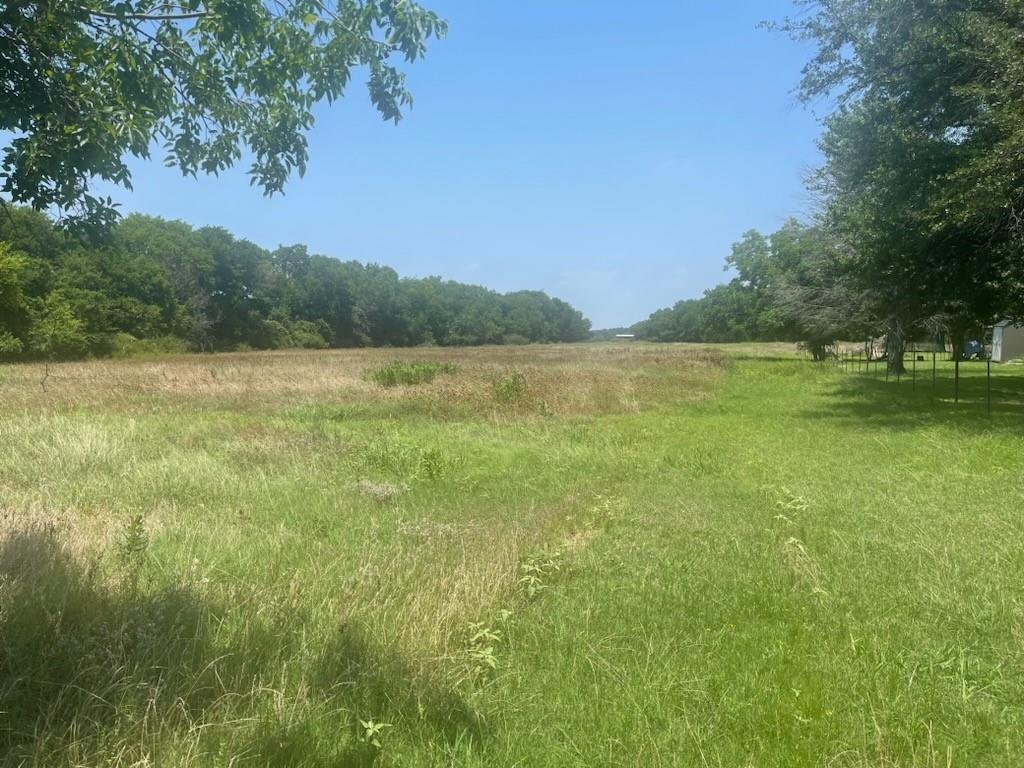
point(157, 285)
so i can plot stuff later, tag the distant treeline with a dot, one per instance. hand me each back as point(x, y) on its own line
point(162, 285)
point(757, 304)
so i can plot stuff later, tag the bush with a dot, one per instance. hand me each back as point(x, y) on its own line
point(408, 373)
point(277, 335)
point(284, 333)
point(515, 338)
point(124, 345)
point(10, 345)
point(510, 388)
point(307, 335)
point(55, 332)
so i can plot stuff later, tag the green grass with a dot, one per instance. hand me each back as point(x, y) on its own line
point(648, 556)
point(399, 373)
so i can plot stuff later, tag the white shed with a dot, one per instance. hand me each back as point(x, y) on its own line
point(1007, 342)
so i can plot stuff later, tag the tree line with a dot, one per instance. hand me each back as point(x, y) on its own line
point(921, 223)
point(770, 298)
point(153, 284)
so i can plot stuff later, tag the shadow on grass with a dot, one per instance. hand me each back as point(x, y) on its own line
point(94, 672)
point(870, 399)
point(372, 679)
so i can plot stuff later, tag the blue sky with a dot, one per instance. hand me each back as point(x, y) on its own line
point(607, 152)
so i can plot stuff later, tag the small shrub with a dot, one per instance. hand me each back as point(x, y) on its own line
point(399, 373)
point(277, 335)
point(281, 332)
point(10, 344)
point(56, 332)
point(510, 388)
point(536, 572)
point(307, 335)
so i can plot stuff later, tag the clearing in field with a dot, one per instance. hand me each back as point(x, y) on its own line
point(545, 556)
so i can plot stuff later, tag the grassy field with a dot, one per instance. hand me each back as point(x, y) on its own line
point(535, 556)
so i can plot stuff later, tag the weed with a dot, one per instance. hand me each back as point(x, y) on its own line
point(790, 506)
point(405, 373)
point(605, 509)
point(372, 733)
point(480, 655)
point(482, 643)
point(802, 565)
point(389, 456)
point(536, 572)
point(435, 464)
point(132, 546)
point(511, 388)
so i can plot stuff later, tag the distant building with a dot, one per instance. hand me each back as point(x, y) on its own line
point(1007, 342)
point(625, 335)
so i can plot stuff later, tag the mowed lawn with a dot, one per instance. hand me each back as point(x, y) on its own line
point(549, 556)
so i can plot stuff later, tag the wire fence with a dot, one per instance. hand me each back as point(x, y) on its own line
point(921, 376)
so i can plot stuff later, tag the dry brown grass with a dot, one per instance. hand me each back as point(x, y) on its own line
point(560, 379)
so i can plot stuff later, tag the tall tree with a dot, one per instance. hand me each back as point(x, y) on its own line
point(922, 154)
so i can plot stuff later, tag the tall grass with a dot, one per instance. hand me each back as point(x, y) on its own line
point(399, 373)
point(645, 555)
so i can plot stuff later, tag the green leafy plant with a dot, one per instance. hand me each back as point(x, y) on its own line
point(9, 343)
point(400, 373)
point(536, 572)
point(480, 656)
point(372, 733)
point(482, 644)
point(56, 331)
point(434, 464)
point(511, 388)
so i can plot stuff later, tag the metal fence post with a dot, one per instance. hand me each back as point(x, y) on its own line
point(988, 383)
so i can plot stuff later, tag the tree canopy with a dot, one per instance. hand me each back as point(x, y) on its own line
point(85, 83)
point(163, 285)
point(922, 172)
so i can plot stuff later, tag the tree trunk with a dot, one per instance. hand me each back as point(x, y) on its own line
point(819, 350)
point(895, 344)
point(957, 339)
